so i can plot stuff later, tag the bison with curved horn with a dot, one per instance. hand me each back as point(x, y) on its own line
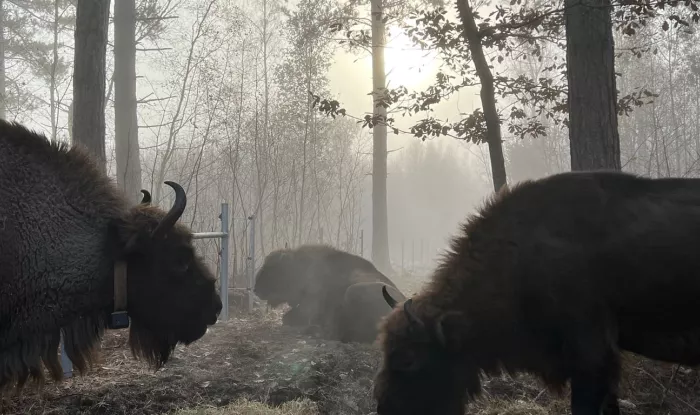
point(313, 280)
point(555, 277)
point(362, 310)
point(76, 258)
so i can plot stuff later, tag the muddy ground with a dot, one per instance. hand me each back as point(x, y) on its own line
point(254, 357)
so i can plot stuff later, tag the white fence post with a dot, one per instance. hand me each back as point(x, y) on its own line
point(224, 261)
point(251, 262)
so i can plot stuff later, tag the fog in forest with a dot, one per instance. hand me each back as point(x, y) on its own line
point(229, 97)
point(231, 122)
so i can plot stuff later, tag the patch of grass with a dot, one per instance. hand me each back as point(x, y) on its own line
point(246, 407)
point(514, 408)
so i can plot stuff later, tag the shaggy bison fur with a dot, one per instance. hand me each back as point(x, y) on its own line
point(63, 226)
point(313, 279)
point(555, 277)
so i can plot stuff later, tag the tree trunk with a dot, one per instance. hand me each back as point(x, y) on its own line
point(380, 225)
point(3, 96)
point(53, 97)
point(590, 61)
point(92, 17)
point(488, 93)
point(126, 126)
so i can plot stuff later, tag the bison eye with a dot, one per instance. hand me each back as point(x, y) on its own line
point(182, 259)
point(405, 361)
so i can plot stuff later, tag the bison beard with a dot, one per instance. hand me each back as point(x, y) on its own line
point(555, 277)
point(25, 358)
point(63, 227)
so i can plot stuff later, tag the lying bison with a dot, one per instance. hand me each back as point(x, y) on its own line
point(362, 309)
point(75, 258)
point(313, 280)
point(554, 277)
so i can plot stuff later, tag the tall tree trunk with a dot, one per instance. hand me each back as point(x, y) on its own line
point(92, 17)
point(126, 125)
point(380, 220)
point(53, 96)
point(488, 93)
point(3, 96)
point(304, 153)
point(590, 61)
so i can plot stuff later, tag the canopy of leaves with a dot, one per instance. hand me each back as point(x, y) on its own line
point(514, 31)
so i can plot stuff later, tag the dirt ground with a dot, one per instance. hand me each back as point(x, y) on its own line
point(255, 359)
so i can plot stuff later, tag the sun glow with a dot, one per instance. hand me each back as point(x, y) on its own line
point(407, 64)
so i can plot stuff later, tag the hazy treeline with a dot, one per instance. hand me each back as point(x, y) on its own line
point(659, 139)
point(223, 110)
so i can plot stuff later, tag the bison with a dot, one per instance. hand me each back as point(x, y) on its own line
point(555, 277)
point(362, 309)
point(76, 258)
point(313, 280)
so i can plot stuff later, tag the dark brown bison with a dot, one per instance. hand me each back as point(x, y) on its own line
point(71, 246)
point(554, 277)
point(313, 279)
point(362, 309)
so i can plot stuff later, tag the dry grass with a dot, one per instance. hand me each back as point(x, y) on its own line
point(252, 363)
point(246, 407)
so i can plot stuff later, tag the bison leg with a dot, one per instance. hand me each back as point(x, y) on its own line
point(594, 393)
point(590, 396)
point(294, 317)
point(612, 407)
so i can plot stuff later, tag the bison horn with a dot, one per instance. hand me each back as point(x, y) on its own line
point(388, 298)
point(146, 197)
point(175, 212)
point(408, 309)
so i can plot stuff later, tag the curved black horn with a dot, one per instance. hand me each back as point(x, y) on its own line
point(146, 197)
point(389, 299)
point(175, 212)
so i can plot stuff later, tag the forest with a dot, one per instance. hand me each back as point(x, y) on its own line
point(373, 126)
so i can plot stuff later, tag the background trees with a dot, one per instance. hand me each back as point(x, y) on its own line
point(215, 94)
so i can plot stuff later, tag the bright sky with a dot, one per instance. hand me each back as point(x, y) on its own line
point(351, 82)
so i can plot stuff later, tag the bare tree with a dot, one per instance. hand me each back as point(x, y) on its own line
point(125, 106)
point(2, 60)
point(176, 123)
point(488, 92)
point(380, 219)
point(92, 18)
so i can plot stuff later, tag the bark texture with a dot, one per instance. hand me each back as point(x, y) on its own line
point(595, 141)
point(126, 126)
point(92, 17)
point(488, 93)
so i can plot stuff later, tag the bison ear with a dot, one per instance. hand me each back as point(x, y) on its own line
point(128, 239)
point(451, 329)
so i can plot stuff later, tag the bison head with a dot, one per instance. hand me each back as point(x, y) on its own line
point(279, 280)
point(171, 293)
point(422, 370)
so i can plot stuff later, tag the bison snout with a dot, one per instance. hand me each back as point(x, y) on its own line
point(212, 315)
